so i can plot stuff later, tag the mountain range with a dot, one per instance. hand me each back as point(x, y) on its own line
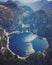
point(41, 5)
point(14, 18)
point(24, 18)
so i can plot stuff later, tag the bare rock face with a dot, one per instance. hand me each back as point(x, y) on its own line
point(3, 41)
point(8, 18)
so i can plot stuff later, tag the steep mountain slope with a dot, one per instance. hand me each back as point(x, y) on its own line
point(47, 6)
point(17, 12)
point(37, 5)
point(9, 18)
point(27, 8)
point(41, 5)
point(12, 5)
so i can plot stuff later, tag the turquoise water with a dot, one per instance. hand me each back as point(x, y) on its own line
point(24, 44)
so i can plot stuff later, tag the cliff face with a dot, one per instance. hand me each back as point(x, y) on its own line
point(9, 18)
point(6, 17)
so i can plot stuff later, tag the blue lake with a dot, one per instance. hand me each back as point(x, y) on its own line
point(24, 44)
